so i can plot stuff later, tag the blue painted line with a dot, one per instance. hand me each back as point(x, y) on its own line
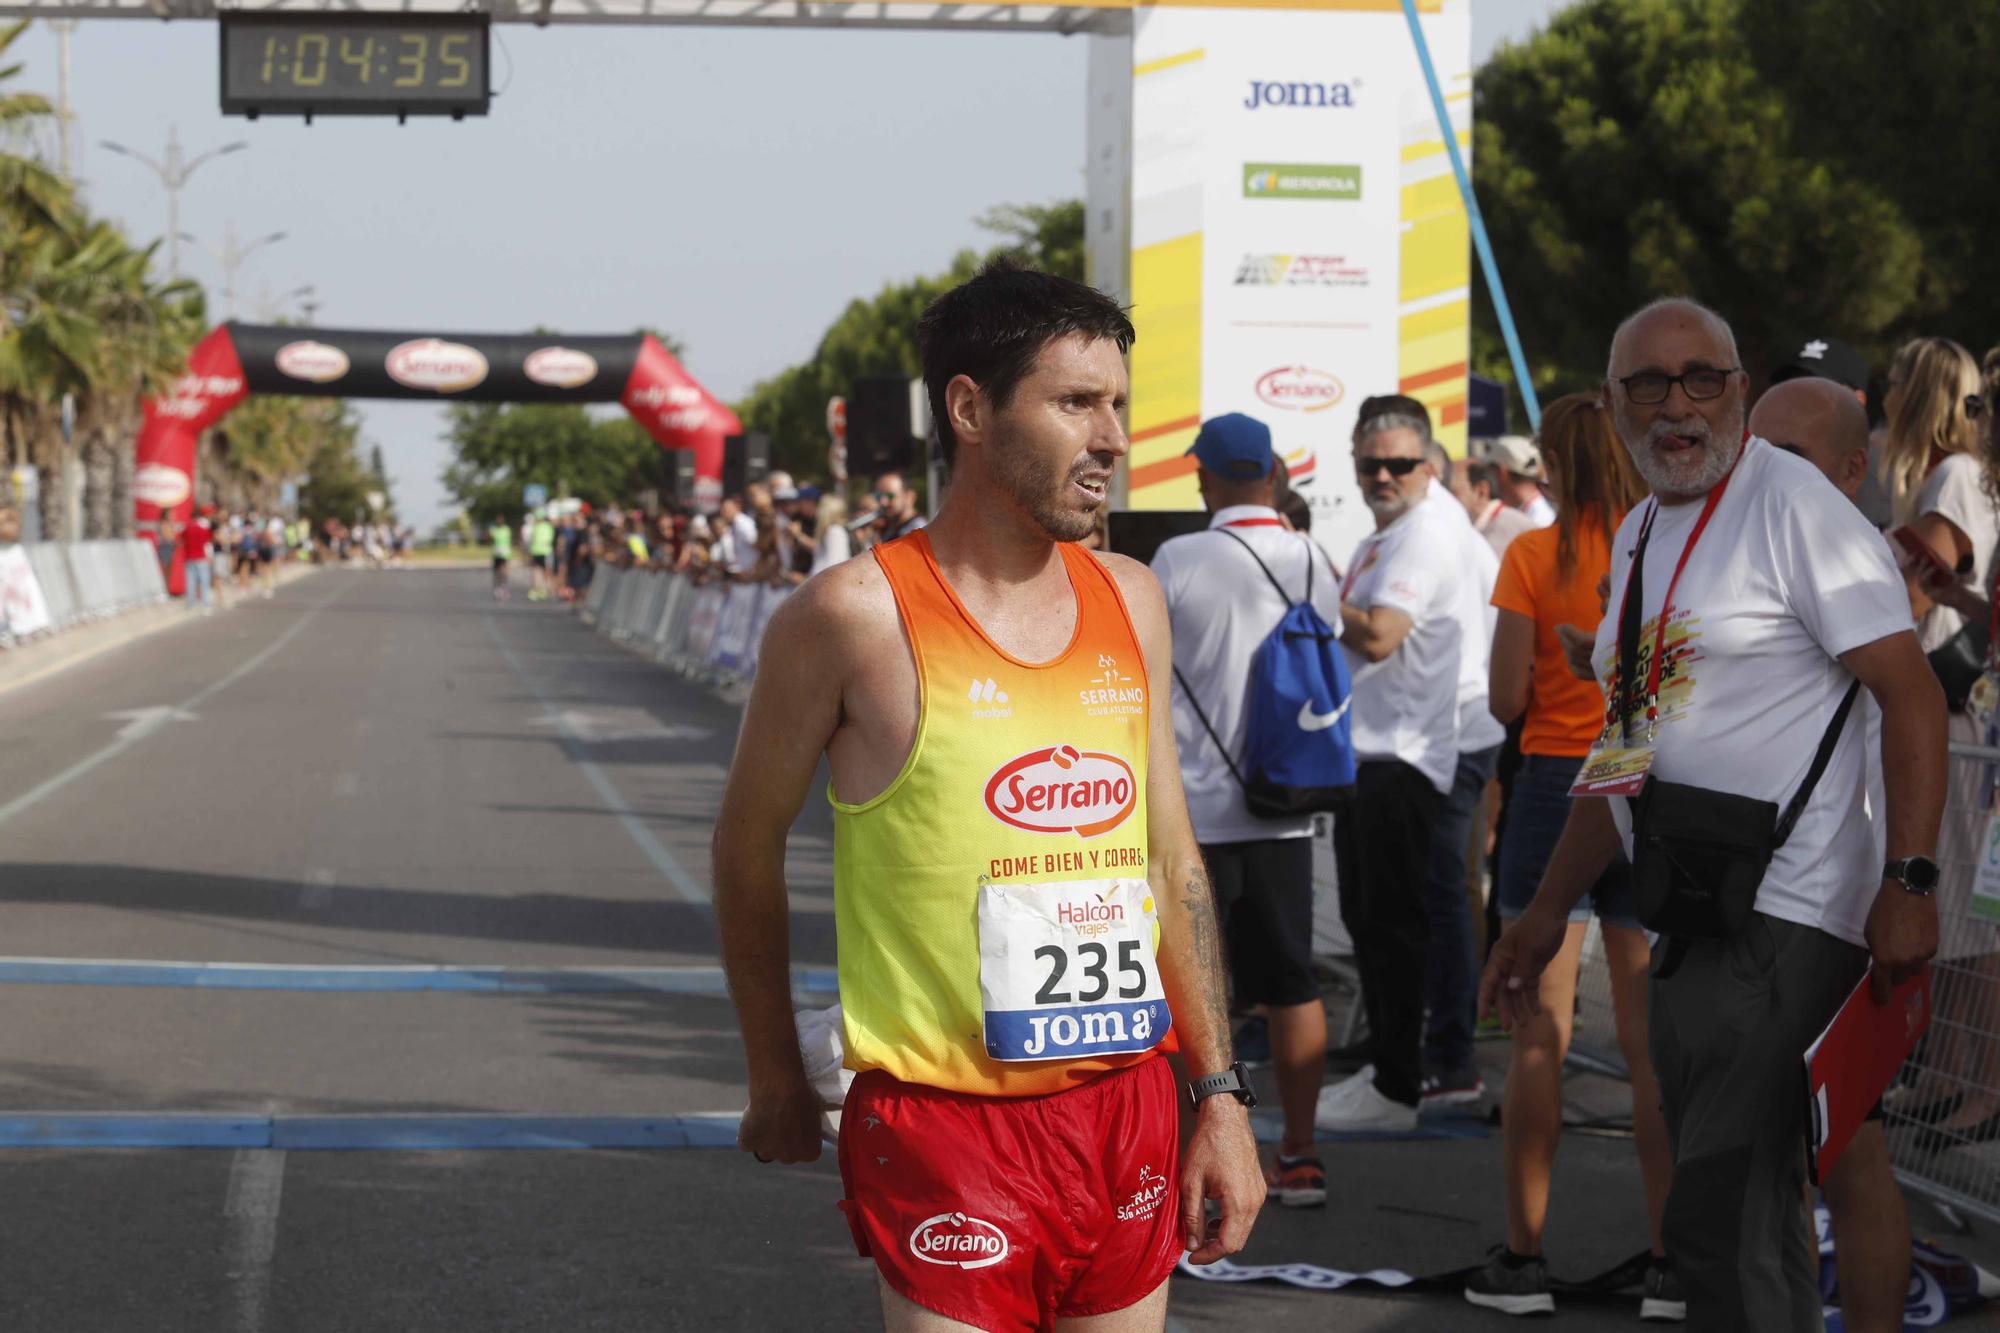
point(489, 980)
point(366, 1133)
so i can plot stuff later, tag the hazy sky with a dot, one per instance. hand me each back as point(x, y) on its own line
point(734, 187)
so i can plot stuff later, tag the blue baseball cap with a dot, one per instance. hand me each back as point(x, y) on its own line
point(1234, 446)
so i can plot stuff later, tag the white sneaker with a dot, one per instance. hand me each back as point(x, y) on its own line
point(1355, 1106)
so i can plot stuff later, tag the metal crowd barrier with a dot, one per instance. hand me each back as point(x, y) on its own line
point(1958, 1065)
point(706, 632)
point(84, 581)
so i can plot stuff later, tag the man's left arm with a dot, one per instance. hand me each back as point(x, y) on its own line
point(1902, 929)
point(1221, 1158)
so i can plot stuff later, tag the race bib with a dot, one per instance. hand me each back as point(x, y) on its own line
point(1067, 970)
point(1613, 770)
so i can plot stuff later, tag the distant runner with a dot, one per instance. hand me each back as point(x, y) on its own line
point(501, 534)
point(1024, 921)
point(541, 547)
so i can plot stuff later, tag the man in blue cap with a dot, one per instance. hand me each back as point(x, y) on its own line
point(1221, 608)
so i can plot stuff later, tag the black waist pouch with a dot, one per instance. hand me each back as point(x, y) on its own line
point(1699, 856)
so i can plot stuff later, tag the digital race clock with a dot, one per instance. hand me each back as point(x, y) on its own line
point(359, 65)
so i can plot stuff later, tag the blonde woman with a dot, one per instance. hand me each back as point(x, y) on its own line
point(831, 541)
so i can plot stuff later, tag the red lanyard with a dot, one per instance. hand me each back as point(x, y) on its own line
point(1255, 523)
point(1667, 605)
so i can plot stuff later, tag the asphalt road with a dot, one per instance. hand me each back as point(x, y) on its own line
point(388, 770)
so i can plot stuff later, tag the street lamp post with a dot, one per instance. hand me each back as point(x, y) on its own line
point(173, 170)
point(231, 256)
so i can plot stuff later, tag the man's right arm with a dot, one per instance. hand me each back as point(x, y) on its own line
point(794, 707)
point(1588, 845)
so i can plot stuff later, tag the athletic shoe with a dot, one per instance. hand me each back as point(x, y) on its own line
point(1460, 1087)
point(1297, 1182)
point(1346, 1059)
point(1511, 1283)
point(1666, 1299)
point(1356, 1107)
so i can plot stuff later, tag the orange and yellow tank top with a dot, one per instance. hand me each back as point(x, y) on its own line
point(995, 930)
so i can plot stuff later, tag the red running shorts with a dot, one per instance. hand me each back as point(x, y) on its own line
point(1007, 1213)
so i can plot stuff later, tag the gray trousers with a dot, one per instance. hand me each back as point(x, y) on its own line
point(1729, 1031)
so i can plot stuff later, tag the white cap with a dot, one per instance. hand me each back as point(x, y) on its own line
point(1516, 453)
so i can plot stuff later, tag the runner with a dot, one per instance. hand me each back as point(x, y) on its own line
point(501, 534)
point(1021, 905)
point(541, 545)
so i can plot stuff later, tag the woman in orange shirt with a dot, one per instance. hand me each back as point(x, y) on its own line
point(1548, 578)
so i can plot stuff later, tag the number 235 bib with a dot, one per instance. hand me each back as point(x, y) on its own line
point(1067, 970)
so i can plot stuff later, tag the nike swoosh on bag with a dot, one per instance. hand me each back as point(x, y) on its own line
point(1311, 721)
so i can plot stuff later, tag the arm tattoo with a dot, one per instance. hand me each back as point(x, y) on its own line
point(1204, 940)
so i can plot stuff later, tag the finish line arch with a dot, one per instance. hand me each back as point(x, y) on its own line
point(237, 360)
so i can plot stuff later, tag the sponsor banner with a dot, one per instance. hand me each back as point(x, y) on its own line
point(560, 367)
point(474, 367)
point(23, 609)
point(162, 485)
point(1280, 146)
point(314, 362)
point(1074, 1031)
point(433, 363)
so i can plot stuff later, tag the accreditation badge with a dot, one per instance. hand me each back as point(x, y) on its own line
point(1067, 970)
point(1613, 768)
point(1984, 700)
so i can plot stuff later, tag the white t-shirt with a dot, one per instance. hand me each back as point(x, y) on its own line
point(736, 549)
point(1221, 610)
point(1540, 512)
point(1406, 706)
point(1956, 490)
point(1477, 728)
point(1787, 577)
point(835, 545)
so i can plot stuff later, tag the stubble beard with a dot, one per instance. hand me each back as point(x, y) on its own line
point(1671, 476)
point(1038, 487)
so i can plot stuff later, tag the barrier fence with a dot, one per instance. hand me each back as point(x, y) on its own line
point(1957, 1069)
point(48, 587)
point(704, 631)
point(711, 632)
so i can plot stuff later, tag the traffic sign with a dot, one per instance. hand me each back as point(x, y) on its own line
point(836, 418)
point(534, 495)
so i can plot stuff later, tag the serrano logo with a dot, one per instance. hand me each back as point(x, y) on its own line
point(432, 363)
point(1063, 790)
point(560, 367)
point(161, 485)
point(958, 1241)
point(311, 361)
point(1300, 389)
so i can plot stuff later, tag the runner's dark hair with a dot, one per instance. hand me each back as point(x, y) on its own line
point(991, 328)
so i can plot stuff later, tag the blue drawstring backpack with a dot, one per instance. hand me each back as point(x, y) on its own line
point(1299, 749)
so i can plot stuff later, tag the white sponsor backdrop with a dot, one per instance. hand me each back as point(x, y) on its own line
point(23, 610)
point(1300, 296)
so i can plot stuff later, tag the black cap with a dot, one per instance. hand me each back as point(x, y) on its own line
point(1824, 358)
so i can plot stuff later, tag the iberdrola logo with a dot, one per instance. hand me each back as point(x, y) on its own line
point(1062, 789)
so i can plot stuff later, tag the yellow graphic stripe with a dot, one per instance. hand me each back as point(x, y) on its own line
point(1433, 344)
point(1168, 62)
point(1416, 152)
point(1166, 372)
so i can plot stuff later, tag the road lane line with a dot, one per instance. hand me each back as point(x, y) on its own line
point(663, 860)
point(582, 980)
point(256, 1185)
point(270, 1136)
point(139, 730)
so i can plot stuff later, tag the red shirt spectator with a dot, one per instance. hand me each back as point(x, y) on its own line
point(197, 537)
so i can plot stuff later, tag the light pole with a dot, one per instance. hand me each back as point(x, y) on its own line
point(173, 171)
point(231, 257)
point(65, 121)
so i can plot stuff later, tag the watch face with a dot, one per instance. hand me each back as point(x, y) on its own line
point(1921, 873)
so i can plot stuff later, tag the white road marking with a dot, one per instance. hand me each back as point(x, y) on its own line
point(132, 735)
point(317, 891)
point(145, 721)
point(596, 726)
point(256, 1183)
point(642, 837)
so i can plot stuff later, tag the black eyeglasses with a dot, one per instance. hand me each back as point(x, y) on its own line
point(1650, 386)
point(1366, 468)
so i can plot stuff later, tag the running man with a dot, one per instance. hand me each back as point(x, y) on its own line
point(541, 547)
point(501, 534)
point(1024, 922)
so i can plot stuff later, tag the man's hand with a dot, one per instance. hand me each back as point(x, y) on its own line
point(782, 1125)
point(1220, 1163)
point(1902, 935)
point(1512, 983)
point(1578, 645)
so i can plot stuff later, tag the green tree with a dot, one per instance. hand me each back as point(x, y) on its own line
point(1634, 149)
point(879, 336)
point(497, 449)
point(336, 484)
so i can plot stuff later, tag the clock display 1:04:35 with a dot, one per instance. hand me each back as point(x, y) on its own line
point(412, 60)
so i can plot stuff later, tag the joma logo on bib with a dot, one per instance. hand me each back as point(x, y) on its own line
point(1063, 790)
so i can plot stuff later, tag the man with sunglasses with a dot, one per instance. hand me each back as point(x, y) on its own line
point(1760, 602)
point(897, 505)
point(1401, 631)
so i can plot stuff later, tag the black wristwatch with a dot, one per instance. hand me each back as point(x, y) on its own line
point(1234, 1080)
point(1918, 874)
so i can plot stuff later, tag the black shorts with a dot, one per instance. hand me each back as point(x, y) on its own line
point(539, 561)
point(1264, 901)
point(499, 562)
